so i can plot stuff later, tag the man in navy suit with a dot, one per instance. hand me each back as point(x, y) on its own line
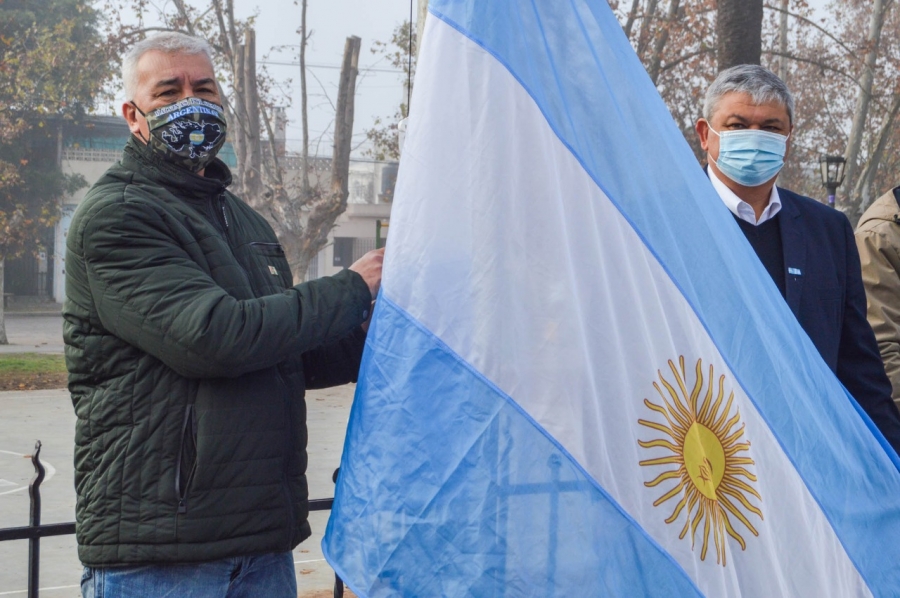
point(807, 247)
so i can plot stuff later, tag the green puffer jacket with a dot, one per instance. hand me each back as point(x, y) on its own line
point(188, 353)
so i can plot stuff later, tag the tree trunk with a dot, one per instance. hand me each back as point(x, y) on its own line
point(632, 15)
point(252, 182)
point(261, 181)
point(783, 40)
point(863, 187)
point(304, 116)
point(325, 212)
point(662, 37)
point(644, 32)
point(864, 96)
point(238, 118)
point(343, 122)
point(738, 32)
point(3, 339)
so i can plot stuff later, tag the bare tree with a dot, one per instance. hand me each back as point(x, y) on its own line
point(302, 219)
point(646, 22)
point(401, 52)
point(300, 211)
point(662, 37)
point(632, 16)
point(327, 209)
point(863, 99)
point(783, 40)
point(866, 179)
point(838, 62)
point(246, 94)
point(304, 107)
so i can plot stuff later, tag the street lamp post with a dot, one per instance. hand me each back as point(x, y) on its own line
point(832, 170)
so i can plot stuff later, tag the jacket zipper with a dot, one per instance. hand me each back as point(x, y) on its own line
point(287, 456)
point(222, 210)
point(188, 427)
point(287, 443)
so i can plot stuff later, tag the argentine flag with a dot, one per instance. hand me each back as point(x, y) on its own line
point(579, 380)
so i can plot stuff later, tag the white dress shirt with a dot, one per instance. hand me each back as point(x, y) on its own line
point(741, 208)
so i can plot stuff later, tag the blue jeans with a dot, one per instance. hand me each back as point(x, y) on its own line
point(269, 575)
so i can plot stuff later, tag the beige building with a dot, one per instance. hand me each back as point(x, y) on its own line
point(95, 148)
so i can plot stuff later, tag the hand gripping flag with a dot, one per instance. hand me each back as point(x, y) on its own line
point(579, 379)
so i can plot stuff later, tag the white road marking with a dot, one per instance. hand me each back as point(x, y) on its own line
point(298, 563)
point(50, 471)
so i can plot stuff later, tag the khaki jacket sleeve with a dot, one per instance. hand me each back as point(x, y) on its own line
point(879, 252)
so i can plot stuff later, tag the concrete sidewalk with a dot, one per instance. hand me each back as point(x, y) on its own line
point(26, 416)
point(33, 332)
point(47, 415)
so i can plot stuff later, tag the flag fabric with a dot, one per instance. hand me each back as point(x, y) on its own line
point(579, 379)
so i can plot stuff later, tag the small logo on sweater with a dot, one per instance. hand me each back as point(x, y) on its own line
point(273, 271)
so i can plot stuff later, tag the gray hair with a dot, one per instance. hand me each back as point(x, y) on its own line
point(758, 82)
point(171, 42)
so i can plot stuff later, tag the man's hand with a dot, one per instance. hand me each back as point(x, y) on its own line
point(369, 267)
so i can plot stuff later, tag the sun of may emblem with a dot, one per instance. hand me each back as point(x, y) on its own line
point(704, 438)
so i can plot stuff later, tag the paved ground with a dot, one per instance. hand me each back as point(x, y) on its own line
point(47, 415)
point(33, 334)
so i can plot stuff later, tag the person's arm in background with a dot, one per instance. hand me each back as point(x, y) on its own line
point(880, 258)
point(859, 366)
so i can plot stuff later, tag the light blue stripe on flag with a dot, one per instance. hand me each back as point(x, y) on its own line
point(498, 508)
point(596, 96)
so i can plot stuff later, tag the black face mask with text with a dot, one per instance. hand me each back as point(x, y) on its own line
point(188, 133)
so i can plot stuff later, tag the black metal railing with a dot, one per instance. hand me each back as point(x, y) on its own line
point(34, 531)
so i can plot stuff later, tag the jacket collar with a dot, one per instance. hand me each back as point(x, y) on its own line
point(885, 208)
point(181, 182)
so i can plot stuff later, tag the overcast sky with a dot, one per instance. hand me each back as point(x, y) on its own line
point(379, 89)
point(331, 21)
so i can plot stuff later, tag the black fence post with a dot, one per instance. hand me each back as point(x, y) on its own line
point(34, 521)
point(34, 531)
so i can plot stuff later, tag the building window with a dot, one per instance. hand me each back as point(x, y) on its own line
point(349, 249)
point(312, 271)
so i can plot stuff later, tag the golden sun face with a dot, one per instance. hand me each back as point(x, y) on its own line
point(711, 476)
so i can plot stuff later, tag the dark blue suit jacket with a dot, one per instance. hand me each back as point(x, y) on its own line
point(829, 301)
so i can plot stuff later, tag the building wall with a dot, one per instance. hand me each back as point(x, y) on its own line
point(359, 223)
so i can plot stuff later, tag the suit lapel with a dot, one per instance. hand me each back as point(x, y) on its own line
point(793, 243)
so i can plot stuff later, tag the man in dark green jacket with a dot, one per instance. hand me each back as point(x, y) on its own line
point(189, 351)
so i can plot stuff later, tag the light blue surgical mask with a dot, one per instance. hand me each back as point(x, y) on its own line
point(750, 157)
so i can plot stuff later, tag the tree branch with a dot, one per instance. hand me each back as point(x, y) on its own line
point(688, 56)
point(815, 25)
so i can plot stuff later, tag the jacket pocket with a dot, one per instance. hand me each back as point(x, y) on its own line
point(268, 249)
point(269, 266)
point(186, 464)
point(831, 303)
